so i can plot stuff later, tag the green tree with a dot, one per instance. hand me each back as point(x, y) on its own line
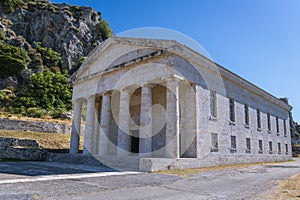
point(12, 60)
point(105, 30)
point(50, 57)
point(11, 5)
point(48, 91)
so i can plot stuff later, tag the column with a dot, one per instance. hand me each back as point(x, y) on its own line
point(76, 125)
point(89, 126)
point(104, 125)
point(145, 132)
point(123, 123)
point(96, 126)
point(172, 119)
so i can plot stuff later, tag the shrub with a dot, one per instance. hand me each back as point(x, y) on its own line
point(47, 91)
point(36, 112)
point(10, 66)
point(11, 5)
point(50, 57)
point(105, 30)
point(2, 35)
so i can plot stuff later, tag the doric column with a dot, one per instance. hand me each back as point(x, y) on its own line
point(172, 119)
point(76, 125)
point(104, 124)
point(145, 132)
point(89, 126)
point(123, 123)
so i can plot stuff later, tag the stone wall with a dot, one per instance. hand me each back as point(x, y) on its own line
point(21, 149)
point(8, 124)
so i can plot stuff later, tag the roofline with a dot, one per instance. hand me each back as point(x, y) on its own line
point(172, 43)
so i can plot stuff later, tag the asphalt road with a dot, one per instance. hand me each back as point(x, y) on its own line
point(38, 180)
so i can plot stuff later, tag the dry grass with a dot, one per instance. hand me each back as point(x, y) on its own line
point(24, 118)
point(52, 141)
point(185, 172)
point(288, 189)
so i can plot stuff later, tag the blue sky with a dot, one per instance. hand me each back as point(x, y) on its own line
point(256, 39)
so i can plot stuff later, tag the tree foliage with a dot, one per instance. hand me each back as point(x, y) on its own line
point(12, 60)
point(11, 5)
point(48, 91)
point(50, 57)
point(106, 31)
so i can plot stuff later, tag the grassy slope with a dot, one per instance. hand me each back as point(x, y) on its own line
point(288, 189)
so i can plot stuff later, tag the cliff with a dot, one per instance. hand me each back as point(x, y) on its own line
point(72, 31)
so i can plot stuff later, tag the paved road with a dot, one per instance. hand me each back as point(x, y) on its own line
point(30, 180)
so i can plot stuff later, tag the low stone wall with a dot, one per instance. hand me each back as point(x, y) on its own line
point(21, 149)
point(155, 164)
point(114, 162)
point(8, 124)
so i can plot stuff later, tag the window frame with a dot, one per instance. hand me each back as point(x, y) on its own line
point(248, 145)
point(279, 147)
point(214, 144)
point(258, 118)
point(233, 144)
point(260, 146)
point(232, 117)
point(277, 126)
point(270, 147)
point(269, 122)
point(213, 105)
point(247, 115)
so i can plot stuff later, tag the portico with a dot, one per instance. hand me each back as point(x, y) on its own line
point(133, 118)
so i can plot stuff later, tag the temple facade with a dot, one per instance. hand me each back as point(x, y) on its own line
point(157, 104)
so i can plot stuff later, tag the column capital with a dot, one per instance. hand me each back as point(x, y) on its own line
point(174, 78)
point(124, 89)
point(146, 84)
point(108, 93)
point(91, 97)
point(79, 100)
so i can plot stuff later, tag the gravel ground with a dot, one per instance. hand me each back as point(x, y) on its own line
point(254, 182)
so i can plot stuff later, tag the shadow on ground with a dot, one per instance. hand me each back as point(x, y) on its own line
point(49, 168)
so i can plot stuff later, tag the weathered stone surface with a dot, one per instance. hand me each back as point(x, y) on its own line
point(7, 124)
point(21, 149)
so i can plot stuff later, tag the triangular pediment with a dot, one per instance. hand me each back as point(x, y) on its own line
point(117, 51)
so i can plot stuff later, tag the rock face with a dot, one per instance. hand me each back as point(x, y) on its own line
point(70, 30)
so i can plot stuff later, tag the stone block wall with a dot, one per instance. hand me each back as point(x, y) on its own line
point(21, 149)
point(8, 124)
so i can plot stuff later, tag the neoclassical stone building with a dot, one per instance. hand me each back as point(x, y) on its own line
point(157, 104)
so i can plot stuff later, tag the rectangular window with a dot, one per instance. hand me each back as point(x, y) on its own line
point(286, 149)
point(246, 115)
point(248, 145)
point(277, 125)
point(233, 144)
point(213, 104)
point(270, 147)
point(214, 142)
point(284, 127)
point(269, 121)
point(231, 110)
point(279, 148)
point(258, 119)
point(260, 146)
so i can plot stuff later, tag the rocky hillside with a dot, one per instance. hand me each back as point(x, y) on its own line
point(41, 43)
point(71, 31)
